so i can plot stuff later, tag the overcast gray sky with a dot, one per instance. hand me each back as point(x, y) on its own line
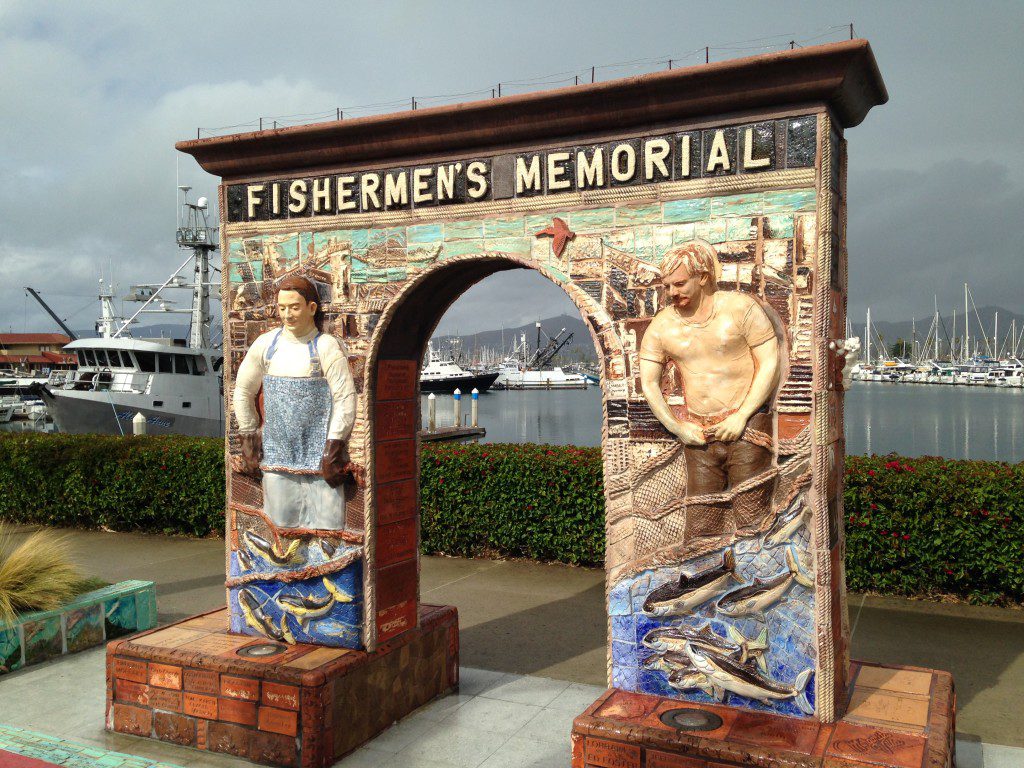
point(94, 95)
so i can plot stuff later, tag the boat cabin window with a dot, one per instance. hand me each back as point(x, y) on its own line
point(166, 362)
point(186, 364)
point(81, 358)
point(90, 358)
point(147, 361)
point(101, 358)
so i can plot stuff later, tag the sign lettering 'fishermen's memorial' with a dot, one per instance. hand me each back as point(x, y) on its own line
point(697, 220)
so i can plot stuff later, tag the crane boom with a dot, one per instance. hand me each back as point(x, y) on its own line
point(51, 313)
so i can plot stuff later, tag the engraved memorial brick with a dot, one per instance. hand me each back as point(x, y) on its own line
point(162, 698)
point(240, 687)
point(612, 754)
point(281, 696)
point(278, 721)
point(129, 669)
point(201, 705)
point(237, 711)
point(201, 681)
point(164, 676)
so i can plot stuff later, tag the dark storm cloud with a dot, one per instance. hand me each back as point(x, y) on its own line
point(94, 96)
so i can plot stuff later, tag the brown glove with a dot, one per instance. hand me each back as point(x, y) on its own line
point(332, 465)
point(252, 453)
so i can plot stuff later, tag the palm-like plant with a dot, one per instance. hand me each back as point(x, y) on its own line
point(36, 575)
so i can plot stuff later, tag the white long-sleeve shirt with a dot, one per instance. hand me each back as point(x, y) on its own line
point(291, 358)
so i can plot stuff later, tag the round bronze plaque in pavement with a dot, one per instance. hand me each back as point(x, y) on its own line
point(689, 719)
point(261, 650)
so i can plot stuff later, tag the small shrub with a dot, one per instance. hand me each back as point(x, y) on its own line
point(37, 575)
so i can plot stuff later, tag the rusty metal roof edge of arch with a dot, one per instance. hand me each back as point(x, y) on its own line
point(844, 76)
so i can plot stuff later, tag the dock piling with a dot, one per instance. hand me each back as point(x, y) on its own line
point(474, 408)
point(138, 424)
point(457, 408)
point(431, 412)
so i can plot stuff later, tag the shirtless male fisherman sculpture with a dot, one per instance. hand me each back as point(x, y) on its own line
point(727, 352)
point(309, 402)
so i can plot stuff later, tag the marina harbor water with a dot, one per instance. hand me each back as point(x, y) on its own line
point(957, 422)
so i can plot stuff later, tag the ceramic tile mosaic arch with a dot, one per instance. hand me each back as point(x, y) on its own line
point(750, 574)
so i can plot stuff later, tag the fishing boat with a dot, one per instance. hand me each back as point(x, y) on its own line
point(443, 374)
point(177, 385)
point(520, 370)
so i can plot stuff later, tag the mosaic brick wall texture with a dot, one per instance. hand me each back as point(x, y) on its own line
point(749, 577)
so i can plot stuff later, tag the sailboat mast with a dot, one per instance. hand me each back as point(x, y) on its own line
point(935, 299)
point(867, 337)
point(967, 327)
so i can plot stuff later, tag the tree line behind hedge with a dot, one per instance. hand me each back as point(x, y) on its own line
point(925, 527)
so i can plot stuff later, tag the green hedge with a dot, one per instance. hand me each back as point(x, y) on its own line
point(923, 527)
point(159, 484)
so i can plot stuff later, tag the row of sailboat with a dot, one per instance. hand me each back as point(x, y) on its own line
point(944, 357)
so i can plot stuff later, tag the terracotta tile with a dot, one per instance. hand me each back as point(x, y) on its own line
point(175, 728)
point(727, 714)
point(165, 676)
point(201, 681)
point(395, 620)
point(280, 695)
point(396, 542)
point(130, 669)
point(774, 731)
point(611, 754)
point(172, 637)
point(273, 749)
point(658, 759)
point(395, 419)
point(395, 460)
point(396, 379)
point(228, 738)
point(875, 745)
point(316, 658)
point(131, 692)
point(201, 705)
point(885, 708)
point(217, 643)
point(162, 698)
point(627, 707)
point(896, 680)
point(240, 687)
point(278, 721)
point(237, 711)
point(396, 501)
point(133, 720)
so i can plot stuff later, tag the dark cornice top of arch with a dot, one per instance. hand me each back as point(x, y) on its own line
point(843, 76)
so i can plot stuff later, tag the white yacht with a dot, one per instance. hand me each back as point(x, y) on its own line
point(177, 386)
point(445, 375)
point(519, 372)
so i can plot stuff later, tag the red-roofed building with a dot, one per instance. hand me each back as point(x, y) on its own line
point(36, 352)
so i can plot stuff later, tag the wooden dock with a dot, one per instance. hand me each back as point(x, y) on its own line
point(451, 433)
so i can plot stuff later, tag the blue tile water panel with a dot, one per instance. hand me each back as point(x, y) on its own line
point(790, 625)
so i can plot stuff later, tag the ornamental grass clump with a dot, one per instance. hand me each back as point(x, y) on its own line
point(36, 575)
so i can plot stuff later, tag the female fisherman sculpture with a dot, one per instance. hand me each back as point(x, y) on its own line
point(309, 404)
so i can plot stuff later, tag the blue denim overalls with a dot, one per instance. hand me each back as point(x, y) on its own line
point(297, 413)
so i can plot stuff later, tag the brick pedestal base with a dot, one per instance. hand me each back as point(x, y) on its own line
point(897, 716)
point(305, 706)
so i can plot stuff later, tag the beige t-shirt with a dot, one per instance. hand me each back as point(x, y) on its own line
point(714, 356)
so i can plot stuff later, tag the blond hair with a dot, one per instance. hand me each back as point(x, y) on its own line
point(697, 256)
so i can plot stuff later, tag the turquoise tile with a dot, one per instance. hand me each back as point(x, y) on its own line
point(503, 227)
point(663, 239)
point(463, 248)
point(741, 229)
point(786, 201)
point(683, 233)
point(779, 226)
point(682, 211)
point(360, 239)
point(461, 230)
point(557, 273)
point(10, 650)
point(539, 221)
point(517, 245)
point(630, 215)
point(597, 218)
point(396, 274)
point(376, 237)
point(395, 237)
point(713, 231)
point(424, 233)
point(737, 205)
point(643, 243)
point(305, 246)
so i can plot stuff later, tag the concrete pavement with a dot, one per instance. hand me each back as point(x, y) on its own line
point(548, 621)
